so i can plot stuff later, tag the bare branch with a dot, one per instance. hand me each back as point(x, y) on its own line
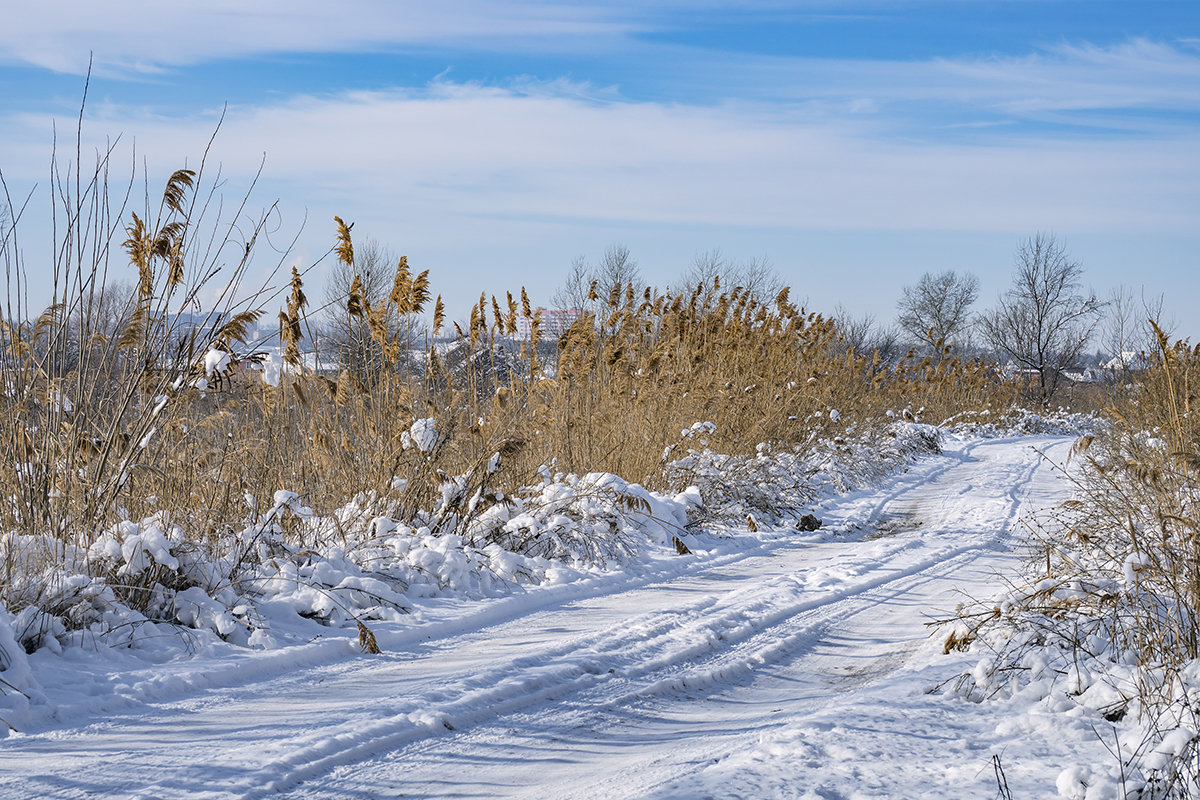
point(1043, 322)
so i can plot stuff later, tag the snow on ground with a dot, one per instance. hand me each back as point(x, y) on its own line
point(770, 664)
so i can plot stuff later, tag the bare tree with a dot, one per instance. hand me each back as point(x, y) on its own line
point(1153, 312)
point(755, 275)
point(92, 333)
point(705, 270)
point(759, 278)
point(1044, 321)
point(937, 309)
point(345, 336)
point(573, 292)
point(615, 270)
point(1128, 326)
point(1120, 323)
point(866, 338)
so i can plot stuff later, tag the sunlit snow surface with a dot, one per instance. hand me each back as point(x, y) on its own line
point(770, 664)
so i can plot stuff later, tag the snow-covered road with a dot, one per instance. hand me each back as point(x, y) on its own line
point(790, 668)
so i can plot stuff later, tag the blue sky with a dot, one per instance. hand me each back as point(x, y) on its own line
point(853, 144)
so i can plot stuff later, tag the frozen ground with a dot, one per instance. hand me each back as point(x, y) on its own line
point(775, 665)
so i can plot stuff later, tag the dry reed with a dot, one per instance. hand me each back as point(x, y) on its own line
point(114, 410)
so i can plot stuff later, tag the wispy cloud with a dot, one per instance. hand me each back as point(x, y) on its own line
point(454, 151)
point(1131, 75)
point(1093, 83)
point(127, 36)
point(1136, 77)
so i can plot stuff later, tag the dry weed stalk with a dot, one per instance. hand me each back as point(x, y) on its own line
point(121, 417)
point(1114, 585)
point(96, 388)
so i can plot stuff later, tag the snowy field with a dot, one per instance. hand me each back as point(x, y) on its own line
point(772, 663)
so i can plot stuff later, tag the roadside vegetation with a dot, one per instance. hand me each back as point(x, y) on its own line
point(147, 450)
point(156, 471)
point(1106, 619)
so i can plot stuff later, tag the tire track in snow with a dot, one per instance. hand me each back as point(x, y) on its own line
point(711, 636)
point(742, 697)
point(716, 642)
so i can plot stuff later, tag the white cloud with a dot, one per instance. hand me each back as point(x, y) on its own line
point(1137, 75)
point(130, 36)
point(492, 184)
point(1134, 74)
point(133, 36)
point(1093, 83)
point(455, 151)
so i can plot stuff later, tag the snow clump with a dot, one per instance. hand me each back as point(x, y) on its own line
point(216, 361)
point(424, 434)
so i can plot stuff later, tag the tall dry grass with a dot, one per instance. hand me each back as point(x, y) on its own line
point(1138, 515)
point(1109, 610)
point(114, 410)
point(97, 387)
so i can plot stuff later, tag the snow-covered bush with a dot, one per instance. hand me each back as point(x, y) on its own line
point(1018, 421)
point(160, 473)
point(783, 482)
point(1107, 621)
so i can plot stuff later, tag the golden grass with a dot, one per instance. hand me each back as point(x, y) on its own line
point(100, 425)
point(1139, 512)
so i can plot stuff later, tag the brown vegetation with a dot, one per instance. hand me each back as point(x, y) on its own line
point(103, 425)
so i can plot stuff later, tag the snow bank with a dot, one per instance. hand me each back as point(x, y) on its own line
point(1058, 653)
point(252, 589)
point(18, 687)
point(776, 484)
point(1019, 421)
point(149, 589)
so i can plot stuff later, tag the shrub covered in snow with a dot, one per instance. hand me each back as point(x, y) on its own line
point(1018, 421)
point(157, 486)
point(357, 566)
point(781, 482)
point(1106, 624)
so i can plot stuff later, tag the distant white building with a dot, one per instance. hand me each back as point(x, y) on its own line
point(555, 322)
point(1085, 375)
point(1131, 361)
point(1012, 370)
